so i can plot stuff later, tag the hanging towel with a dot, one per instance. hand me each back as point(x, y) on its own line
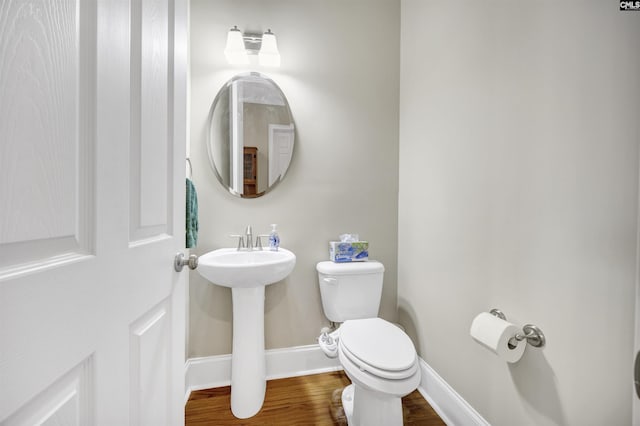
point(191, 215)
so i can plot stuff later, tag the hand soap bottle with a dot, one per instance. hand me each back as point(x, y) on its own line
point(274, 239)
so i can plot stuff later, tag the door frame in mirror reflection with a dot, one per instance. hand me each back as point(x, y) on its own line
point(250, 111)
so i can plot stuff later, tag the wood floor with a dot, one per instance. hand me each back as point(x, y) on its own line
point(306, 400)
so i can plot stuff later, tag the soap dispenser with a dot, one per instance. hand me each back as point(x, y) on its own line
point(274, 239)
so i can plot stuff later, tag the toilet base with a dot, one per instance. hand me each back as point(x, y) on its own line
point(347, 403)
point(365, 407)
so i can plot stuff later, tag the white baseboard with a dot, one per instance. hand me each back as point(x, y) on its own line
point(449, 405)
point(215, 371)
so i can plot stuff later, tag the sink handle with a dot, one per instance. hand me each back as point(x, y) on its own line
point(259, 241)
point(240, 240)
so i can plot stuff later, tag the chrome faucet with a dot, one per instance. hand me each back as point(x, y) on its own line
point(249, 238)
point(246, 241)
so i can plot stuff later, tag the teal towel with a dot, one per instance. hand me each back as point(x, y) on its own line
point(192, 215)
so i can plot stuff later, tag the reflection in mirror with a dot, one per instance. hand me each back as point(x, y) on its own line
point(251, 135)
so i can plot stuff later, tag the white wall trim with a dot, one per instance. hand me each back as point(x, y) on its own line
point(215, 371)
point(449, 405)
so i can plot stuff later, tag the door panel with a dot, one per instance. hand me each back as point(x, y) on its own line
point(67, 402)
point(92, 148)
point(150, 121)
point(149, 366)
point(46, 125)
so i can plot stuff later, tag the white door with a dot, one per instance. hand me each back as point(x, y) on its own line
point(92, 141)
point(280, 150)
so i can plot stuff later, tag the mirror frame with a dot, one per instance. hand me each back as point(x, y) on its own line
point(210, 134)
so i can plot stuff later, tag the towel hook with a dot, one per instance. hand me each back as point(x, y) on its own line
point(190, 168)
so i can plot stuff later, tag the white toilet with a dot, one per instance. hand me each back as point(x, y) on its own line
point(376, 355)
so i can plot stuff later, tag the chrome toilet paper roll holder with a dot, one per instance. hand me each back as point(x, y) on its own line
point(531, 333)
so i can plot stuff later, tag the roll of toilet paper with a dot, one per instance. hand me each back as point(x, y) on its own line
point(494, 333)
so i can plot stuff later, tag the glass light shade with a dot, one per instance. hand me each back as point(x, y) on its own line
point(235, 51)
point(269, 55)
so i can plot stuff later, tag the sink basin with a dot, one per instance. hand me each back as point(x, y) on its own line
point(247, 273)
point(229, 267)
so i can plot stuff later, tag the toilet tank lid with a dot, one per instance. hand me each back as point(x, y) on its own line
point(349, 268)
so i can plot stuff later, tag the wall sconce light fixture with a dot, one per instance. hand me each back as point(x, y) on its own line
point(240, 46)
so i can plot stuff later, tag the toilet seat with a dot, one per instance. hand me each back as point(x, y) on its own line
point(385, 374)
point(378, 347)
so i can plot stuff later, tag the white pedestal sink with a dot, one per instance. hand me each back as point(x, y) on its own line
point(247, 273)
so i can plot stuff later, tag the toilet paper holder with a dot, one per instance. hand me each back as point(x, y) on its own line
point(532, 334)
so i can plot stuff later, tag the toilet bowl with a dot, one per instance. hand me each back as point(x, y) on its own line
point(381, 363)
point(376, 355)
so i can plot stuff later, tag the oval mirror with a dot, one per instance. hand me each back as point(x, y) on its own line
point(251, 135)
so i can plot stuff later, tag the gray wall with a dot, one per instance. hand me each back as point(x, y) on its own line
point(340, 74)
point(518, 190)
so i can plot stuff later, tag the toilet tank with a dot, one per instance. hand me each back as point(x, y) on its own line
point(350, 290)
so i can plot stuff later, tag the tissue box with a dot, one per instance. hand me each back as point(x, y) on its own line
point(357, 251)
